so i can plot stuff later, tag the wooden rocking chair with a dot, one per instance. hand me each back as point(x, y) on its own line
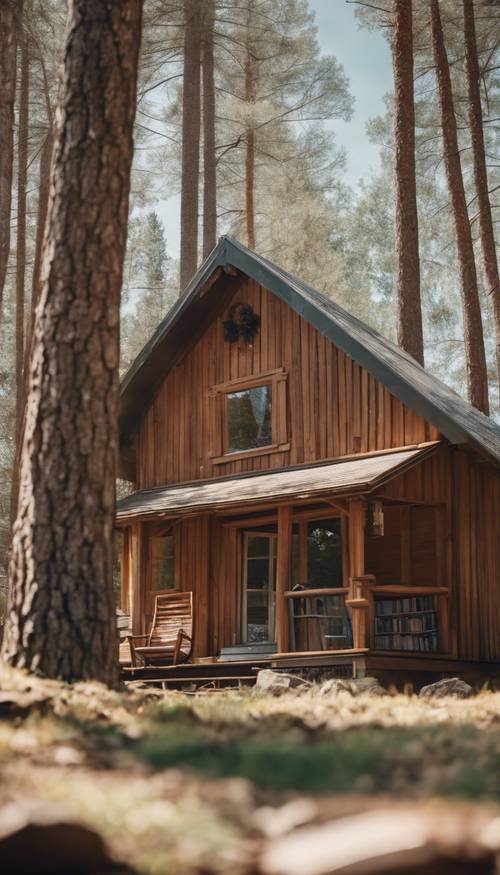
point(170, 638)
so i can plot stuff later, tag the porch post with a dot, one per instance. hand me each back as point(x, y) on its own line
point(125, 587)
point(356, 602)
point(283, 577)
point(137, 564)
point(356, 538)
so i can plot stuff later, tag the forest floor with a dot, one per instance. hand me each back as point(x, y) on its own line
point(203, 783)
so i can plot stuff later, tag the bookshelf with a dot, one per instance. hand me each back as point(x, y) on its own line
point(407, 622)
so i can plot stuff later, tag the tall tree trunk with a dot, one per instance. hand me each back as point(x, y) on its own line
point(61, 615)
point(9, 11)
point(250, 154)
point(488, 248)
point(41, 217)
point(190, 143)
point(22, 175)
point(409, 308)
point(43, 192)
point(477, 381)
point(209, 164)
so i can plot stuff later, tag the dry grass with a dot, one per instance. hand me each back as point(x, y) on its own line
point(178, 783)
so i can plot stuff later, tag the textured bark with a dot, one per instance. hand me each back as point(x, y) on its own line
point(43, 193)
point(61, 616)
point(488, 248)
point(409, 308)
point(41, 218)
point(209, 164)
point(477, 381)
point(190, 143)
point(250, 155)
point(9, 11)
point(22, 175)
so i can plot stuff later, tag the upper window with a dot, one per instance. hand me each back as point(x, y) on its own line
point(249, 421)
point(248, 416)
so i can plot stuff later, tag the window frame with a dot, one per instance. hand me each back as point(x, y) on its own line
point(219, 425)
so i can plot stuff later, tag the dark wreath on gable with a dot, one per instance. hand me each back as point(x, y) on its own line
point(242, 322)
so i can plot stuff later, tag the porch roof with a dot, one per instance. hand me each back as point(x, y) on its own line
point(353, 475)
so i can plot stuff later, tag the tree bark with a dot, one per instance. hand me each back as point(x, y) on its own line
point(190, 143)
point(209, 164)
point(250, 154)
point(488, 248)
point(475, 358)
point(22, 176)
point(9, 11)
point(61, 614)
point(409, 308)
point(43, 194)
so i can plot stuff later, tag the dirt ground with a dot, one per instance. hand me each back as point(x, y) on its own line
point(205, 783)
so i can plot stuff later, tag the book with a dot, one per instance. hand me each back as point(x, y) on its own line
point(407, 623)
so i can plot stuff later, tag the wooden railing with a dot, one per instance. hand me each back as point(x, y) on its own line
point(360, 604)
point(319, 619)
point(338, 618)
point(364, 590)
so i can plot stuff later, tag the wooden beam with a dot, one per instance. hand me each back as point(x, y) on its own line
point(283, 577)
point(137, 564)
point(356, 529)
point(126, 573)
point(340, 507)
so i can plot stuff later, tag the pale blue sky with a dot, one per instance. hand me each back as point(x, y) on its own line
point(366, 59)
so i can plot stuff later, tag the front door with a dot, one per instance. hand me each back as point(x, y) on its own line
point(258, 607)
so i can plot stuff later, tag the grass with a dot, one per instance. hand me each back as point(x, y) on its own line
point(183, 778)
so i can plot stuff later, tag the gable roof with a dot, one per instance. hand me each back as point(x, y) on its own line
point(455, 418)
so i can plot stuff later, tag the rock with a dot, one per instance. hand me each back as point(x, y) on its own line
point(277, 682)
point(454, 687)
point(353, 687)
point(44, 841)
point(409, 842)
point(20, 704)
point(334, 686)
point(368, 686)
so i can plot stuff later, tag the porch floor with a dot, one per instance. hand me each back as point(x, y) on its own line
point(388, 667)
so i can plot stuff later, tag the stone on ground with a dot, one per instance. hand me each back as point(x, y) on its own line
point(454, 687)
point(44, 841)
point(277, 682)
point(407, 842)
point(353, 687)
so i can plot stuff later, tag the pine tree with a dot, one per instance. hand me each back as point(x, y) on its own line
point(480, 173)
point(209, 155)
point(408, 303)
point(61, 612)
point(9, 11)
point(477, 381)
point(190, 143)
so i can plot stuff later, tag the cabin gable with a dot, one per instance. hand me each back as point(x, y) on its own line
point(324, 405)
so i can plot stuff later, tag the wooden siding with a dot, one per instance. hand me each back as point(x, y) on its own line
point(476, 523)
point(334, 407)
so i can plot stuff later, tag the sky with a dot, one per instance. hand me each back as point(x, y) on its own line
point(366, 59)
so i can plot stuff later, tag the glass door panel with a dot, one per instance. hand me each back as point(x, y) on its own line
point(259, 587)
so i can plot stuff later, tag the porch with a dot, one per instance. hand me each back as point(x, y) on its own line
point(326, 565)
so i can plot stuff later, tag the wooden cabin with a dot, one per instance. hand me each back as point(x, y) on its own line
point(326, 500)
